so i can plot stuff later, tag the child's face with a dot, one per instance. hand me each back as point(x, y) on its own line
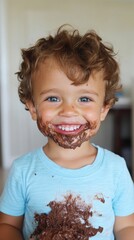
point(66, 113)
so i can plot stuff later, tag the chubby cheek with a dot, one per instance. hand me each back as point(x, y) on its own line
point(93, 128)
point(94, 121)
point(45, 115)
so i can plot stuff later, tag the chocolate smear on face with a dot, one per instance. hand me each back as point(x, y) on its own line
point(67, 141)
point(67, 220)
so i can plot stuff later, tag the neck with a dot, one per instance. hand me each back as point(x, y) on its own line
point(71, 158)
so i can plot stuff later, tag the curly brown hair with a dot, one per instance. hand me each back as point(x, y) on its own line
point(78, 56)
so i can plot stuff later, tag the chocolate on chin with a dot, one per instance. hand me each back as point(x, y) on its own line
point(67, 220)
point(67, 141)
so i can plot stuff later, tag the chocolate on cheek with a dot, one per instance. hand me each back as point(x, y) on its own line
point(68, 141)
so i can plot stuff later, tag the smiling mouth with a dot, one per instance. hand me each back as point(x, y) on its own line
point(69, 129)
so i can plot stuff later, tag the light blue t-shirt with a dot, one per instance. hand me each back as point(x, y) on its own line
point(35, 180)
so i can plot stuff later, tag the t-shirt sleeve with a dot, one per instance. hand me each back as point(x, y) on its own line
point(12, 199)
point(123, 202)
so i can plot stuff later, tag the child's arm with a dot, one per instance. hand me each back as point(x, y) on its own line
point(124, 227)
point(10, 227)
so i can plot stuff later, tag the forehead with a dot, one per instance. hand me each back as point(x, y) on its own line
point(51, 70)
point(51, 64)
point(50, 78)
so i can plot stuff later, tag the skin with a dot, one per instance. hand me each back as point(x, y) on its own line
point(67, 105)
point(58, 106)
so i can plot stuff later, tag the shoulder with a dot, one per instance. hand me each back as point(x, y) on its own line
point(109, 155)
point(112, 161)
point(24, 167)
point(28, 158)
point(115, 158)
point(27, 161)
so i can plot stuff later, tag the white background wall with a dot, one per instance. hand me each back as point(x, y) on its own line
point(22, 23)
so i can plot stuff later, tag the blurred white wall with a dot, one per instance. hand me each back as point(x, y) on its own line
point(132, 91)
point(23, 22)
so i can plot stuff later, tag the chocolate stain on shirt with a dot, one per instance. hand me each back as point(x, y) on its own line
point(67, 220)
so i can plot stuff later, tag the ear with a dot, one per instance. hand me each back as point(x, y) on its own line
point(104, 111)
point(30, 106)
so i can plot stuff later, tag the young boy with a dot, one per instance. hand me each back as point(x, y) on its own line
point(68, 83)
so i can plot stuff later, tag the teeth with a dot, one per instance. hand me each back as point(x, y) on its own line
point(69, 128)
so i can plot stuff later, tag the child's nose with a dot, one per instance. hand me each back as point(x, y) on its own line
point(68, 110)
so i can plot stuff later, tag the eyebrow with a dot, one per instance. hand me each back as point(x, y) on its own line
point(89, 92)
point(49, 90)
point(82, 91)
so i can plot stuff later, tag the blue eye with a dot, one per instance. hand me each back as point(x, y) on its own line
point(84, 99)
point(53, 99)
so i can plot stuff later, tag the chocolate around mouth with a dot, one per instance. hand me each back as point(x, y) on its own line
point(67, 220)
point(69, 141)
